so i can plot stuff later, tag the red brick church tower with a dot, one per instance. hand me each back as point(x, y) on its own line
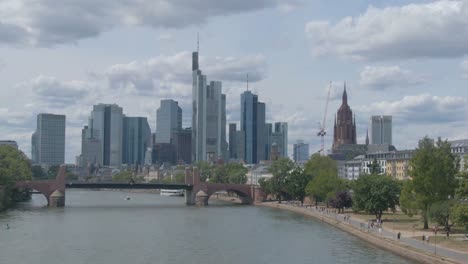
point(345, 124)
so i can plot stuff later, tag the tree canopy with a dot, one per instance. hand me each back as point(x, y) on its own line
point(14, 166)
point(433, 170)
point(375, 194)
point(296, 183)
point(280, 169)
point(229, 173)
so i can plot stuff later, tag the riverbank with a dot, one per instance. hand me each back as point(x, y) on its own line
point(399, 248)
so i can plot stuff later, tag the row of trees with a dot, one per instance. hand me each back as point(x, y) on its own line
point(436, 191)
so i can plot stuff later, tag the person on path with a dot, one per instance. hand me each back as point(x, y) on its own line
point(398, 235)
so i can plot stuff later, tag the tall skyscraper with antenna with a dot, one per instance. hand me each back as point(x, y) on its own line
point(208, 116)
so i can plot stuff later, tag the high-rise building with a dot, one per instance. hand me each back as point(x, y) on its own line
point(281, 134)
point(91, 152)
point(268, 133)
point(232, 141)
point(301, 152)
point(182, 141)
point(136, 140)
point(345, 124)
point(168, 120)
point(107, 119)
point(381, 130)
point(253, 126)
point(240, 145)
point(208, 117)
point(48, 142)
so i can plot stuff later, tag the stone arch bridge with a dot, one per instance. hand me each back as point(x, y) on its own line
point(196, 192)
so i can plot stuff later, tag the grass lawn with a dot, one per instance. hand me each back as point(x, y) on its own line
point(413, 227)
point(454, 241)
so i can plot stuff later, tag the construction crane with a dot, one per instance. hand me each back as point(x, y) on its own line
point(322, 131)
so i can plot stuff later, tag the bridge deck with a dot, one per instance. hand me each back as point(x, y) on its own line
point(122, 185)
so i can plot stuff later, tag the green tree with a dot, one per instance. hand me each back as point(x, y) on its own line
point(375, 194)
point(408, 202)
point(324, 186)
point(236, 173)
point(266, 185)
point(296, 183)
point(441, 212)
point(179, 177)
point(341, 200)
point(460, 215)
point(38, 172)
point(317, 164)
point(433, 170)
point(123, 176)
point(14, 166)
point(280, 169)
point(52, 172)
point(206, 170)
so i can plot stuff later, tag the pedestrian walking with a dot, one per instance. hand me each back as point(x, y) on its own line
point(398, 235)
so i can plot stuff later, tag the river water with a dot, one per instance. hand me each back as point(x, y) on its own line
point(102, 227)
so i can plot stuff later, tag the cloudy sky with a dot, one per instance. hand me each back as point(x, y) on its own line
point(408, 59)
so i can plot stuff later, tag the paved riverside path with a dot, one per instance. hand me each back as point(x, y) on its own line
point(417, 244)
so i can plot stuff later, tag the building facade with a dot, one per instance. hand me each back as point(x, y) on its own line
point(107, 119)
point(91, 152)
point(208, 117)
point(344, 131)
point(168, 120)
point(183, 146)
point(253, 126)
point(381, 130)
point(301, 152)
point(459, 148)
point(136, 140)
point(48, 142)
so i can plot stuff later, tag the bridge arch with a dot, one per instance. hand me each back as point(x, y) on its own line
point(242, 195)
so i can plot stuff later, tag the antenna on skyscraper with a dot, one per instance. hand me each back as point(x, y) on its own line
point(198, 41)
point(247, 81)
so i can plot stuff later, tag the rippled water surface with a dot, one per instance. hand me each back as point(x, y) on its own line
point(103, 227)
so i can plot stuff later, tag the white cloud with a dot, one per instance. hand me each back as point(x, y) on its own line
point(50, 22)
point(383, 77)
point(464, 67)
point(436, 29)
point(171, 75)
point(55, 92)
point(421, 109)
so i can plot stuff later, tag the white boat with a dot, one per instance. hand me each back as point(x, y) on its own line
point(166, 192)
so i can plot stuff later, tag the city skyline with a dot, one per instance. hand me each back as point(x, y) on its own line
point(291, 75)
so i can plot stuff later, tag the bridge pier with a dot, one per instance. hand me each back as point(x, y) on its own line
point(56, 199)
point(201, 198)
point(189, 197)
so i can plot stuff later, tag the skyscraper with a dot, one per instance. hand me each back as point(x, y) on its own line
point(345, 125)
point(136, 140)
point(208, 117)
point(107, 119)
point(232, 141)
point(48, 142)
point(301, 152)
point(381, 130)
point(253, 126)
point(281, 134)
point(168, 120)
point(91, 152)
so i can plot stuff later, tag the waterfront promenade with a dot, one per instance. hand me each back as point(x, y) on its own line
point(387, 238)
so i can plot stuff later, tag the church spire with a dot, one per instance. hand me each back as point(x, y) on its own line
point(345, 95)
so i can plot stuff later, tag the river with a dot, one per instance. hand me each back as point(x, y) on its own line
point(102, 227)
